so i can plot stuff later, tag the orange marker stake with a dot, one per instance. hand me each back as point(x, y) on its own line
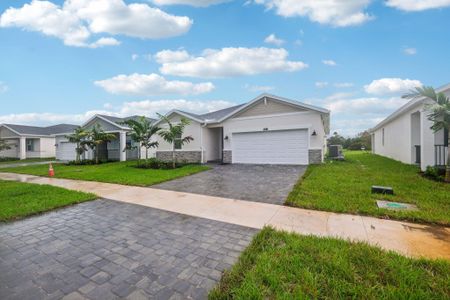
point(51, 172)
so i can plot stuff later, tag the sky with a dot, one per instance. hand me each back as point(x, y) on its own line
point(64, 61)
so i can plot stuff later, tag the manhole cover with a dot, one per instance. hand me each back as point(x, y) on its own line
point(396, 205)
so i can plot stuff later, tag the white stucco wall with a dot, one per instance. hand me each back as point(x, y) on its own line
point(194, 130)
point(308, 119)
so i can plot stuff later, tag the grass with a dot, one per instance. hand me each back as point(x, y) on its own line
point(279, 265)
point(345, 187)
point(15, 161)
point(115, 172)
point(18, 199)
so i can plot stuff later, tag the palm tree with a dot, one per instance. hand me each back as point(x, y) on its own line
point(96, 137)
point(438, 113)
point(78, 137)
point(174, 134)
point(4, 145)
point(142, 131)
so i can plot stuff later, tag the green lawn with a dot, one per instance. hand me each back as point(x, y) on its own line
point(115, 172)
point(278, 265)
point(16, 161)
point(344, 187)
point(19, 199)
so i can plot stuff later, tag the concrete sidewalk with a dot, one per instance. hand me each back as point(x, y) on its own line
point(406, 238)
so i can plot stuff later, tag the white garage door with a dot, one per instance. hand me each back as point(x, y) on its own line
point(271, 147)
point(66, 151)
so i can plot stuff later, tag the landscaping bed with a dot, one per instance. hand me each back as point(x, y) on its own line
point(345, 187)
point(115, 172)
point(279, 265)
point(18, 199)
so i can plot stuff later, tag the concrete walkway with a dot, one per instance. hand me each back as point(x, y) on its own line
point(406, 238)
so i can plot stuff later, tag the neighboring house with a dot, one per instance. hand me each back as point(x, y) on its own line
point(267, 130)
point(31, 141)
point(110, 151)
point(406, 135)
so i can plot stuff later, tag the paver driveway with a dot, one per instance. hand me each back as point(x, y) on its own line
point(259, 183)
point(106, 250)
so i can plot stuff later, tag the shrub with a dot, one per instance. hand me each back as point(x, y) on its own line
point(154, 163)
point(86, 162)
point(435, 173)
point(8, 159)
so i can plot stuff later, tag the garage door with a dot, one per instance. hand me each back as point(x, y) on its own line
point(66, 151)
point(271, 147)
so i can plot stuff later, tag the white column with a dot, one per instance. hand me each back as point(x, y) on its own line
point(22, 148)
point(426, 141)
point(122, 145)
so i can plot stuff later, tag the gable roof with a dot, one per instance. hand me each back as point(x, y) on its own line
point(116, 121)
point(42, 131)
point(409, 105)
point(223, 114)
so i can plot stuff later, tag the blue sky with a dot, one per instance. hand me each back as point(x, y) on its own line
point(62, 61)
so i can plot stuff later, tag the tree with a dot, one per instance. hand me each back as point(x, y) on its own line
point(78, 137)
point(4, 145)
point(142, 131)
point(336, 139)
point(96, 137)
point(174, 134)
point(438, 113)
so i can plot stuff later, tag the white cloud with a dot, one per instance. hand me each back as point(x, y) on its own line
point(321, 84)
point(170, 56)
point(146, 107)
point(340, 13)
point(416, 5)
point(197, 3)
point(410, 51)
point(3, 87)
point(134, 56)
point(228, 62)
point(391, 86)
point(151, 84)
point(329, 62)
point(272, 39)
point(358, 106)
point(76, 21)
point(343, 85)
point(258, 88)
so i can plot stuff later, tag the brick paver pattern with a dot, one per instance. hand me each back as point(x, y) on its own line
point(106, 250)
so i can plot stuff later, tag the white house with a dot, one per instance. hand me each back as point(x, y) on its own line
point(31, 141)
point(406, 136)
point(267, 130)
point(112, 150)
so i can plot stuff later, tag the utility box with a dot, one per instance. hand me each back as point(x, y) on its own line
point(387, 190)
point(335, 152)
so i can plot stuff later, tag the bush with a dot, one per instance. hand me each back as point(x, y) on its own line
point(86, 162)
point(435, 173)
point(8, 159)
point(154, 163)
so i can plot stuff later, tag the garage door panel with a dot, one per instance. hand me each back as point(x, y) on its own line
point(66, 151)
point(271, 147)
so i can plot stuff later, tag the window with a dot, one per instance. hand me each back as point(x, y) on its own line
point(30, 145)
point(382, 136)
point(177, 142)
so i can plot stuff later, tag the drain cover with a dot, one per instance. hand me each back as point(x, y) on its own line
point(395, 205)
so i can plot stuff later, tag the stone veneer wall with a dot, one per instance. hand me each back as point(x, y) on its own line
point(227, 157)
point(315, 156)
point(180, 156)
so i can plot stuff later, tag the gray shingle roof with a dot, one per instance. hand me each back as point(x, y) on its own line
point(216, 115)
point(118, 120)
point(37, 130)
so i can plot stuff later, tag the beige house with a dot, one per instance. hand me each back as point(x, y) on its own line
point(267, 130)
point(31, 141)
